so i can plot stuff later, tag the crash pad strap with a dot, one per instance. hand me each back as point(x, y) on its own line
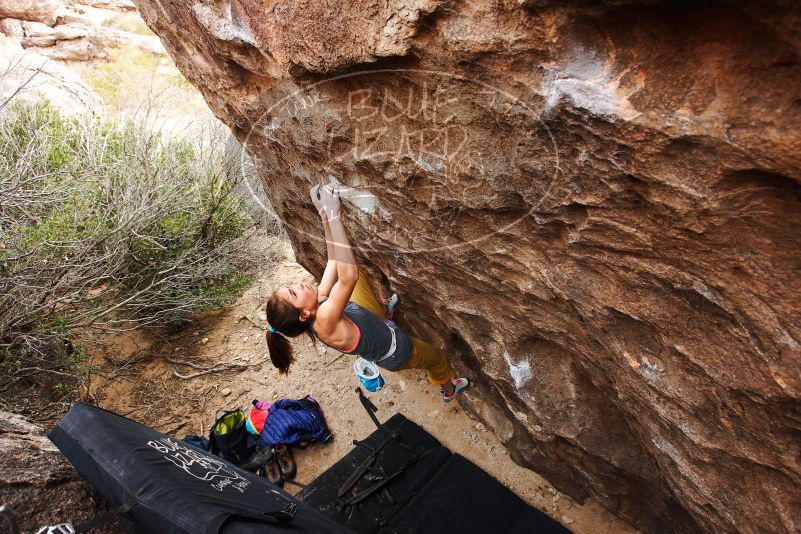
point(370, 408)
point(102, 519)
point(281, 516)
point(362, 495)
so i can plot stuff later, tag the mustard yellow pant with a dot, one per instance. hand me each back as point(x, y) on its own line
point(424, 355)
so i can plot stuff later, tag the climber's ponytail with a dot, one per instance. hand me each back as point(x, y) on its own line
point(280, 352)
point(284, 321)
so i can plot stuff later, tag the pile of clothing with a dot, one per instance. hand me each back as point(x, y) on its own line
point(259, 440)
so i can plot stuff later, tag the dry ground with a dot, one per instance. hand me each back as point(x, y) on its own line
point(226, 353)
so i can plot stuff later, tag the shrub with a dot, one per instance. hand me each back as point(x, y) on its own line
point(137, 83)
point(107, 228)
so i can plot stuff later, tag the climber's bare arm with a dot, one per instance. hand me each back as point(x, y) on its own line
point(329, 314)
point(328, 280)
point(331, 324)
point(330, 274)
point(330, 320)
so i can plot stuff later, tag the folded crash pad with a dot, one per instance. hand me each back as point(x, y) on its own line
point(168, 486)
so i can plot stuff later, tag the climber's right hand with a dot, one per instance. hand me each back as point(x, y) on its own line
point(329, 201)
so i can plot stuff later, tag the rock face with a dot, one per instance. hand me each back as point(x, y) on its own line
point(114, 5)
point(73, 31)
point(77, 42)
point(38, 34)
point(38, 483)
point(12, 28)
point(596, 209)
point(37, 10)
point(30, 76)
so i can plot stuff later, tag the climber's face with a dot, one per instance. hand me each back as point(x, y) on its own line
point(302, 297)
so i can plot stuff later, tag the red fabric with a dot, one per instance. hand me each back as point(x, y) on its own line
point(257, 418)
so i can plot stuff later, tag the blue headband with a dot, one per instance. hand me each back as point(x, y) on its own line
point(271, 330)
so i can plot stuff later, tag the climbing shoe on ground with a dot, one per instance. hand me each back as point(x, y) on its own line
point(272, 472)
point(259, 458)
point(459, 385)
point(286, 463)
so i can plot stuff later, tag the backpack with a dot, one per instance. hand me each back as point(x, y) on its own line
point(291, 421)
point(230, 439)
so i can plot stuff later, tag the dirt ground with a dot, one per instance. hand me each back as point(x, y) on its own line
point(176, 383)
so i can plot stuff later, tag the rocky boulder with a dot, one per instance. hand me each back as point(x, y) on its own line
point(111, 5)
point(595, 207)
point(30, 76)
point(38, 483)
point(37, 34)
point(80, 14)
point(68, 32)
point(75, 32)
point(95, 44)
point(35, 10)
point(12, 28)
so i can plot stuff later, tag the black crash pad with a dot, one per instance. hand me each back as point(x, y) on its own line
point(376, 510)
point(463, 498)
point(440, 492)
point(172, 486)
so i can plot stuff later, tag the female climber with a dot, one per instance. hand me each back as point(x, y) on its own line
point(343, 313)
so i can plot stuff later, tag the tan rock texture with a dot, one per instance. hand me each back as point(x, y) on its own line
point(74, 32)
point(37, 34)
point(12, 28)
point(37, 10)
point(112, 5)
point(39, 484)
point(26, 75)
point(595, 207)
point(67, 32)
point(75, 41)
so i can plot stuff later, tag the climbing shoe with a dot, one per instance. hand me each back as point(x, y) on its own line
point(272, 472)
point(258, 459)
point(286, 463)
point(392, 304)
point(459, 385)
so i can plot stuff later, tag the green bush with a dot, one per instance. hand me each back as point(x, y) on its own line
point(107, 227)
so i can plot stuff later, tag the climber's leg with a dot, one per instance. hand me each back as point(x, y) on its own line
point(433, 360)
point(364, 297)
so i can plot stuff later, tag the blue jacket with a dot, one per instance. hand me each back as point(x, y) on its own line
point(290, 421)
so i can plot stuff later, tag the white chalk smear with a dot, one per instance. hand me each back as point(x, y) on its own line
point(589, 82)
point(651, 371)
point(367, 202)
point(520, 371)
point(222, 24)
